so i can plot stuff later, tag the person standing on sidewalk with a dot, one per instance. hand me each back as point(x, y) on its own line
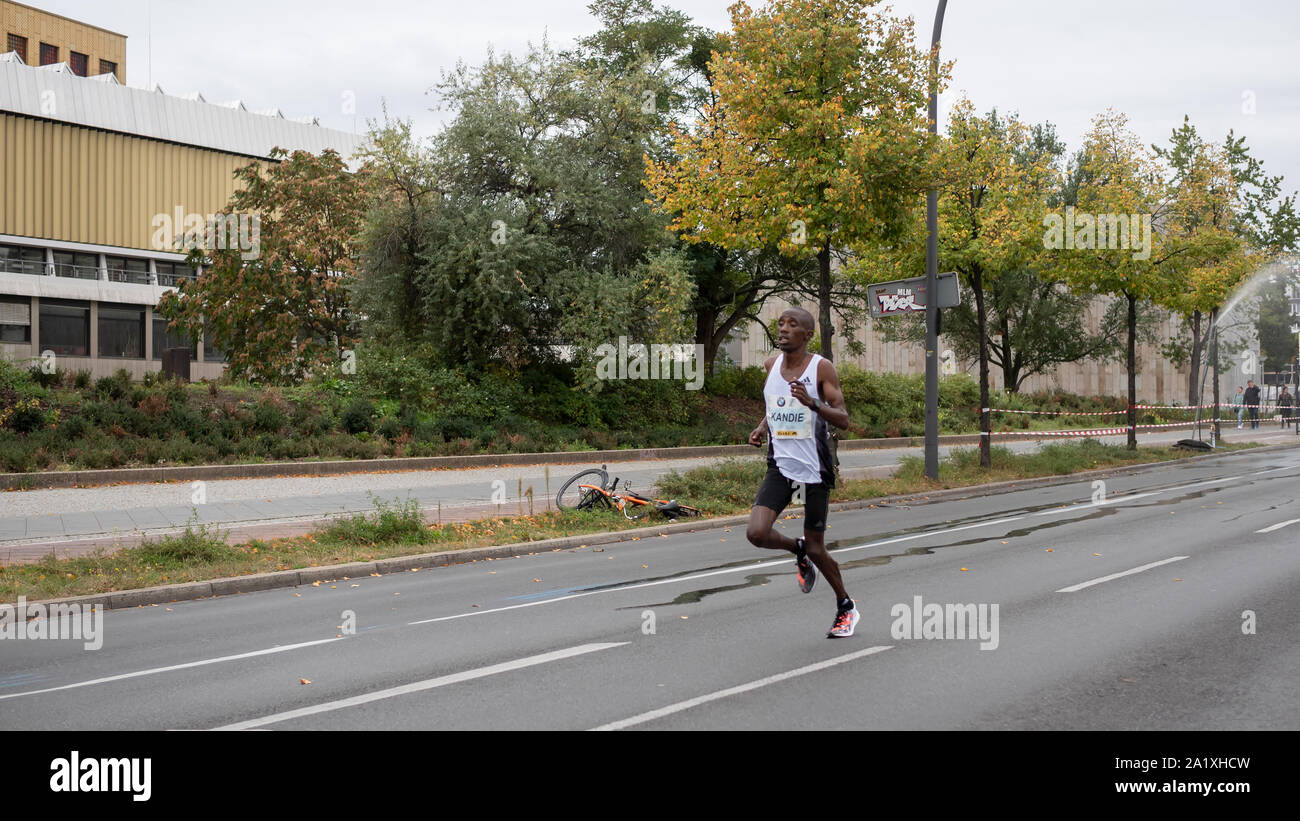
point(803, 399)
point(1252, 402)
point(1284, 403)
point(1240, 402)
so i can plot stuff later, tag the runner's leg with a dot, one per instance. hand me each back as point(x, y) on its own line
point(814, 542)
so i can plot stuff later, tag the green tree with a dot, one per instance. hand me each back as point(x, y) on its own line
point(814, 141)
point(1118, 177)
point(285, 312)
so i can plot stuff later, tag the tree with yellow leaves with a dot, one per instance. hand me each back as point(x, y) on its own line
point(1122, 243)
point(992, 198)
point(815, 138)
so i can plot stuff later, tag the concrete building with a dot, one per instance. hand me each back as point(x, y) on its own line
point(97, 179)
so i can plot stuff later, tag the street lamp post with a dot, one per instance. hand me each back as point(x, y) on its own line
point(932, 273)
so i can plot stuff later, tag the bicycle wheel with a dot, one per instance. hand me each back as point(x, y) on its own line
point(573, 497)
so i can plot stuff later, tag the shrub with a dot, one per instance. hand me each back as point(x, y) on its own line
point(358, 416)
point(268, 417)
point(389, 428)
point(740, 383)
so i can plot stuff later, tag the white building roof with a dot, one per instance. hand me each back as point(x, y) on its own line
point(55, 93)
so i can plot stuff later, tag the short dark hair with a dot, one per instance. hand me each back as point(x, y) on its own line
point(805, 318)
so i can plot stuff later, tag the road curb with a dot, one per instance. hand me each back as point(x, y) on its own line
point(189, 591)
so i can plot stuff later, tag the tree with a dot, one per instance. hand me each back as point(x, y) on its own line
point(1121, 185)
point(992, 197)
point(814, 140)
point(284, 312)
point(1034, 321)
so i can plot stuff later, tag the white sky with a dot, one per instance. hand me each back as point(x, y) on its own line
point(1155, 60)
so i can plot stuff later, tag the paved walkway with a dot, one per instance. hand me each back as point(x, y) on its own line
point(77, 521)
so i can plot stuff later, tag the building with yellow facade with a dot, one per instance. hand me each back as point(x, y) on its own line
point(97, 180)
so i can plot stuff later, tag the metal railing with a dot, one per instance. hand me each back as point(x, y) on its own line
point(22, 266)
point(135, 277)
point(64, 269)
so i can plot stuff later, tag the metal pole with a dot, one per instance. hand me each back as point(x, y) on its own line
point(932, 273)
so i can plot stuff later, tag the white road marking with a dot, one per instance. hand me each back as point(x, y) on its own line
point(744, 569)
point(428, 684)
point(1277, 526)
point(184, 666)
point(1072, 588)
point(743, 688)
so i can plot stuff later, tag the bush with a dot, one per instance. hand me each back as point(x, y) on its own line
point(389, 428)
point(268, 417)
point(72, 429)
point(358, 416)
point(739, 383)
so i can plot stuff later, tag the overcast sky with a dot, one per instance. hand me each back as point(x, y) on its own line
point(1155, 60)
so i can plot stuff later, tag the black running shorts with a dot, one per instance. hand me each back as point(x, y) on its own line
point(777, 491)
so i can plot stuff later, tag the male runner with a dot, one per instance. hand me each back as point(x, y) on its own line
point(802, 395)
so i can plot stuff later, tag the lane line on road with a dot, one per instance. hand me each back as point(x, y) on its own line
point(881, 543)
point(168, 669)
point(743, 688)
point(1075, 587)
point(694, 576)
point(1277, 526)
point(428, 684)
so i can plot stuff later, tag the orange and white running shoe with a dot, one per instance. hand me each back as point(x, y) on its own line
point(846, 618)
point(804, 571)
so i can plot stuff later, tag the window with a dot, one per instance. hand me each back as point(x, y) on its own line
point(121, 331)
point(79, 62)
point(75, 264)
point(210, 353)
point(164, 339)
point(124, 269)
point(65, 327)
point(106, 67)
point(15, 319)
point(16, 259)
point(49, 54)
point(18, 44)
point(172, 273)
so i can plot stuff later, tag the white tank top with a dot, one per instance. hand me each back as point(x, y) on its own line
point(792, 425)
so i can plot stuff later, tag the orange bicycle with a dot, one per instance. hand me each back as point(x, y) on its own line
point(592, 489)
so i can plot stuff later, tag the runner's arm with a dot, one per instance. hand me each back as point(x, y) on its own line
point(832, 408)
point(756, 435)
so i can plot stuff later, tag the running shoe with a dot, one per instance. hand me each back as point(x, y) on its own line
point(804, 571)
point(846, 618)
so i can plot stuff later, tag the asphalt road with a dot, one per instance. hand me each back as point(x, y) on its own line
point(1163, 600)
point(35, 522)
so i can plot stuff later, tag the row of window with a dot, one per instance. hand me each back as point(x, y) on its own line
point(78, 62)
point(65, 329)
point(25, 260)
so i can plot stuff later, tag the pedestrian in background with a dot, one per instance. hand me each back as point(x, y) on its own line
point(1284, 403)
point(1252, 402)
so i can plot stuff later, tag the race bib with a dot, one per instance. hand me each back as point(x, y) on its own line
point(788, 418)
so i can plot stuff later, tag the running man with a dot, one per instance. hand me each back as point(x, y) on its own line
point(802, 394)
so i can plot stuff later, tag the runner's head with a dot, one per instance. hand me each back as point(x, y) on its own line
point(794, 328)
